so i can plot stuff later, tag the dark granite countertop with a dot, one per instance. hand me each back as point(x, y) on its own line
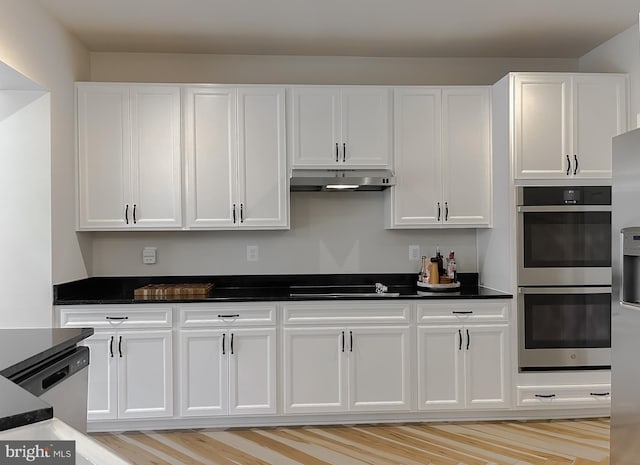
point(248, 288)
point(19, 407)
point(19, 350)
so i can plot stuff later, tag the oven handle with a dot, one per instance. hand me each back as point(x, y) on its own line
point(565, 290)
point(563, 208)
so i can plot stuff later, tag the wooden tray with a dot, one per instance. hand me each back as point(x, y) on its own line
point(164, 291)
point(438, 287)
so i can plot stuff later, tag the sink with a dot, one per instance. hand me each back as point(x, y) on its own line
point(360, 291)
point(364, 295)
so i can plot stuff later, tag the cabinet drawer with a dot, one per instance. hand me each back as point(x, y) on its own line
point(115, 317)
point(467, 311)
point(591, 395)
point(314, 313)
point(227, 315)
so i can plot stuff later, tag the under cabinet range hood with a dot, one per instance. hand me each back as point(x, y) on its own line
point(340, 180)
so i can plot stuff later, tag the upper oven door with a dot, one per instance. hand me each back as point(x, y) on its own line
point(564, 245)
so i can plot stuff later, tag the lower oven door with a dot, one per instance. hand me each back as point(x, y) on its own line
point(564, 328)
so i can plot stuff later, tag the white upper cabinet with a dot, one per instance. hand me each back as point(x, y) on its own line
point(564, 123)
point(340, 127)
point(129, 161)
point(236, 158)
point(466, 156)
point(211, 151)
point(442, 158)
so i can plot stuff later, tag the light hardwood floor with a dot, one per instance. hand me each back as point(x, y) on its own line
point(559, 442)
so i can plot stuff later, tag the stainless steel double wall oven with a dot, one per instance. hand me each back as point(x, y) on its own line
point(564, 277)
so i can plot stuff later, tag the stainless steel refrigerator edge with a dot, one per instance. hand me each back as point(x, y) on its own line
point(625, 321)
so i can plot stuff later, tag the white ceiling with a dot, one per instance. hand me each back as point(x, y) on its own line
point(407, 28)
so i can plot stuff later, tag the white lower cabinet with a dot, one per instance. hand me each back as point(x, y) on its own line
point(130, 374)
point(227, 372)
point(227, 359)
point(144, 374)
point(581, 396)
point(338, 369)
point(131, 359)
point(463, 367)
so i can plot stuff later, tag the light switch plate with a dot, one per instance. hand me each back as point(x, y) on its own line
point(149, 255)
point(414, 253)
point(252, 253)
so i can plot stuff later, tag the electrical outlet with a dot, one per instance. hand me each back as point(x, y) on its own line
point(414, 253)
point(149, 255)
point(252, 253)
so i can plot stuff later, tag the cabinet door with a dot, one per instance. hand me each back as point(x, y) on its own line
point(252, 371)
point(440, 367)
point(379, 368)
point(466, 156)
point(366, 127)
point(315, 123)
point(203, 372)
point(144, 374)
point(211, 153)
point(541, 112)
point(599, 114)
point(486, 366)
point(263, 190)
point(102, 401)
point(314, 370)
point(104, 156)
point(156, 168)
point(415, 198)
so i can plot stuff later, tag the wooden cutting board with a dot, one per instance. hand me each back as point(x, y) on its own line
point(172, 290)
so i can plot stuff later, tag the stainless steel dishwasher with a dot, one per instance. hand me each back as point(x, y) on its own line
point(61, 381)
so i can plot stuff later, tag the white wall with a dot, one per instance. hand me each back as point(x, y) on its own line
point(330, 232)
point(38, 47)
point(621, 54)
point(25, 235)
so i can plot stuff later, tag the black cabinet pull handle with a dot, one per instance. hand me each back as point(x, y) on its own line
point(602, 394)
point(545, 396)
point(568, 165)
point(117, 317)
point(126, 214)
point(461, 312)
point(231, 343)
point(234, 213)
point(120, 346)
point(468, 339)
point(241, 213)
point(111, 347)
point(222, 315)
point(446, 211)
point(575, 167)
point(350, 341)
point(337, 153)
point(459, 340)
point(438, 211)
point(342, 341)
point(134, 214)
point(344, 152)
point(224, 336)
